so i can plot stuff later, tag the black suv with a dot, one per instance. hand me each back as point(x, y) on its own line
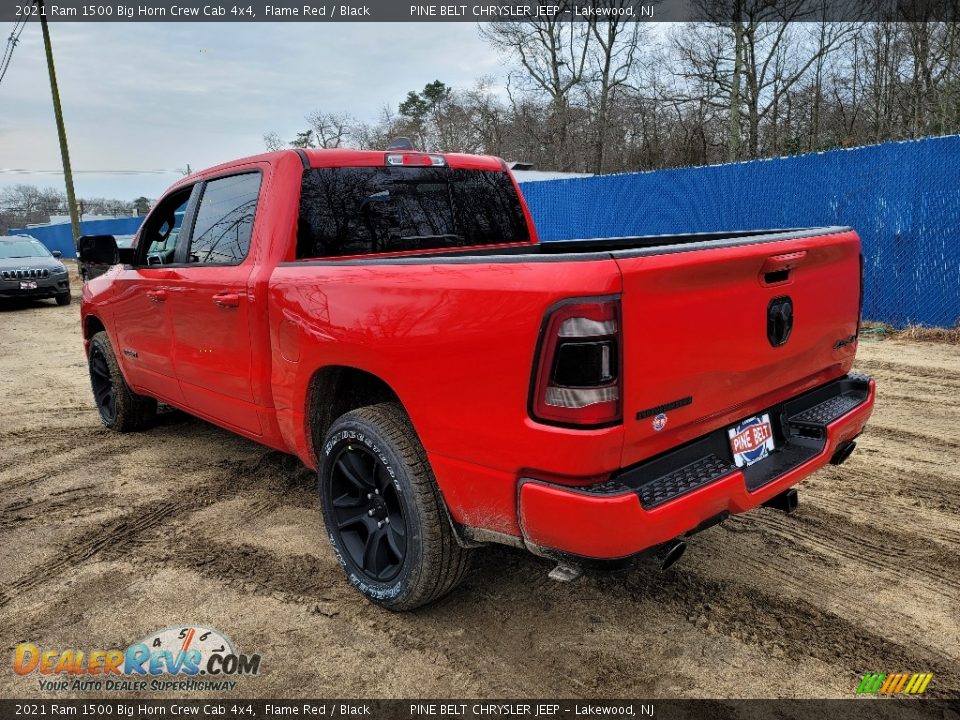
point(29, 270)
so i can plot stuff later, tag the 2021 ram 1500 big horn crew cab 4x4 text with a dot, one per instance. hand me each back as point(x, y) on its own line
point(390, 319)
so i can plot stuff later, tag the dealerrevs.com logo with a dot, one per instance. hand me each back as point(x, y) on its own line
point(183, 657)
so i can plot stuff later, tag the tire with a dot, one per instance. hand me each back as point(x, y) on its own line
point(63, 299)
point(383, 511)
point(120, 408)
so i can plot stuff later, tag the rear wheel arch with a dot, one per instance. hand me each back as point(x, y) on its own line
point(335, 390)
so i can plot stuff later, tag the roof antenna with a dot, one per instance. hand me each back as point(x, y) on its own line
point(400, 143)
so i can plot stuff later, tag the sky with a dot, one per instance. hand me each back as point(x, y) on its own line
point(159, 96)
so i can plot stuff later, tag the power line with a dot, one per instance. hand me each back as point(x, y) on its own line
point(12, 41)
point(24, 171)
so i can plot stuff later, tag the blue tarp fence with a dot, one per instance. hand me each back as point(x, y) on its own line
point(902, 198)
point(60, 236)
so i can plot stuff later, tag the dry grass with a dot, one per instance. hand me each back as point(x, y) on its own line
point(918, 333)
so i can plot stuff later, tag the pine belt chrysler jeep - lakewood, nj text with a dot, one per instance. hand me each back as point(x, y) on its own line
point(390, 319)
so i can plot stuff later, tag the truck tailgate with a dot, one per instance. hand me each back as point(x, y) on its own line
point(701, 350)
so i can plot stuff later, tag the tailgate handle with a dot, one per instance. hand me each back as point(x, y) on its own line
point(777, 268)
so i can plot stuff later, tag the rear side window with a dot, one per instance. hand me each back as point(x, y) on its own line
point(221, 232)
point(359, 211)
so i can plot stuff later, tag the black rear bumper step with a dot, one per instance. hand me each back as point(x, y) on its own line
point(829, 410)
point(799, 429)
point(679, 482)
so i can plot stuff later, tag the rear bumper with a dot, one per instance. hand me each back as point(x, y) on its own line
point(675, 493)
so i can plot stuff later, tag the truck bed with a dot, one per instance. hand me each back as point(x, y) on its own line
point(594, 248)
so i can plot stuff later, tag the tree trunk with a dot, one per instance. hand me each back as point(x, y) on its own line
point(733, 125)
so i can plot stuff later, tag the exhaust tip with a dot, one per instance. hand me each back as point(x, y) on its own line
point(843, 452)
point(670, 553)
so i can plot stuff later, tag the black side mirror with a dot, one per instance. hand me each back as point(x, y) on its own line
point(100, 249)
point(57, 254)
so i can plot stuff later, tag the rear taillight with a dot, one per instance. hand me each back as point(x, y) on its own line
point(577, 379)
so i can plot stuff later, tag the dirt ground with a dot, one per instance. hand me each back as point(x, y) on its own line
point(107, 537)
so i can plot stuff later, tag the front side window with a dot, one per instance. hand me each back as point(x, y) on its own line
point(162, 228)
point(360, 211)
point(224, 224)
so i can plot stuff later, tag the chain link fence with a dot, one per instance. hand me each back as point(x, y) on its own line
point(902, 198)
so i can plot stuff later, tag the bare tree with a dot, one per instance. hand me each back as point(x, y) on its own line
point(750, 82)
point(331, 129)
point(755, 52)
point(273, 142)
point(552, 54)
point(613, 56)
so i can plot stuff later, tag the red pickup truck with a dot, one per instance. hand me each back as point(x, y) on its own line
point(390, 319)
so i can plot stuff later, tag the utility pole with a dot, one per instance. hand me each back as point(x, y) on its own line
point(61, 130)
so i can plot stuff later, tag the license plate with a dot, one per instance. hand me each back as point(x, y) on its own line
point(751, 440)
point(28, 284)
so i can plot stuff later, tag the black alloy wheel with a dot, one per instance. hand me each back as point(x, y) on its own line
point(102, 383)
point(368, 512)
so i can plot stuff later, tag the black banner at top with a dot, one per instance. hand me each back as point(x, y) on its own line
point(320, 11)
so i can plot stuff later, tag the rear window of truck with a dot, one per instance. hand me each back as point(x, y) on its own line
point(367, 210)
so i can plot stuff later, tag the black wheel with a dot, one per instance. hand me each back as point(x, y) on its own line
point(120, 408)
point(63, 299)
point(383, 511)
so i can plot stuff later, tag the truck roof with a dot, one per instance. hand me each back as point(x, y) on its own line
point(345, 157)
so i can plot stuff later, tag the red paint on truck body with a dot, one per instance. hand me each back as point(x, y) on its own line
point(457, 341)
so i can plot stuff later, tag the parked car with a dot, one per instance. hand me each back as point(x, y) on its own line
point(29, 270)
point(391, 319)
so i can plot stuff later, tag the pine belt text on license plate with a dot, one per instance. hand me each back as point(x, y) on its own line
point(751, 440)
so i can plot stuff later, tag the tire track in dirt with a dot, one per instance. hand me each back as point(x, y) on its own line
point(54, 506)
point(58, 448)
point(917, 503)
point(797, 627)
point(858, 591)
point(832, 535)
point(901, 371)
point(120, 535)
point(118, 532)
point(932, 443)
point(296, 579)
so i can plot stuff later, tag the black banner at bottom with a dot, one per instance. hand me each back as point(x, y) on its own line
point(854, 709)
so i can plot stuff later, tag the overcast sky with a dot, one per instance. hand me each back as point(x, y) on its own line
point(145, 96)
